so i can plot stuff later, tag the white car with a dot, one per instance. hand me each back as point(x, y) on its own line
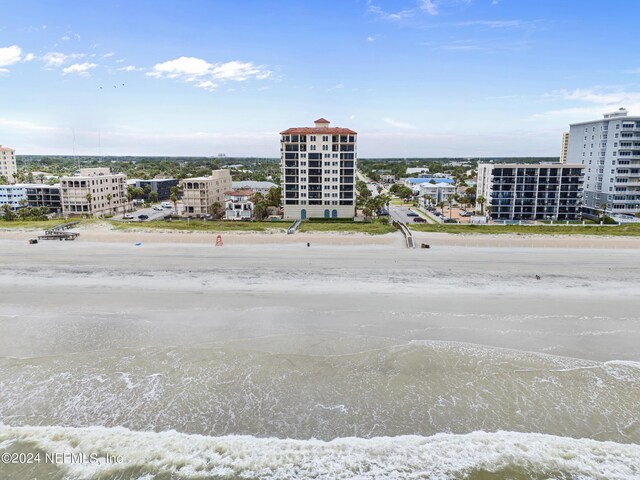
point(158, 208)
point(128, 216)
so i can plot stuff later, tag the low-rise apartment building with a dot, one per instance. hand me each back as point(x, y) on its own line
point(162, 186)
point(238, 205)
point(438, 192)
point(39, 195)
point(551, 191)
point(13, 195)
point(94, 191)
point(199, 194)
point(8, 167)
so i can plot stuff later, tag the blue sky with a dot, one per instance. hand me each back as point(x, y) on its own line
point(413, 77)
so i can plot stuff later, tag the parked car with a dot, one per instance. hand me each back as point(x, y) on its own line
point(143, 217)
point(157, 208)
point(412, 214)
point(167, 205)
point(128, 216)
point(419, 220)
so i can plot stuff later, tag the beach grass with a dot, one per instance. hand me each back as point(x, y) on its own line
point(202, 226)
point(42, 224)
point(627, 230)
point(375, 228)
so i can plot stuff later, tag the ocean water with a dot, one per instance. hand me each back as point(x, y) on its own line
point(163, 364)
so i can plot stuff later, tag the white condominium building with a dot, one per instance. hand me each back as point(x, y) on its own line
point(13, 195)
point(87, 193)
point(564, 148)
point(546, 191)
point(437, 192)
point(318, 171)
point(199, 194)
point(8, 167)
point(609, 149)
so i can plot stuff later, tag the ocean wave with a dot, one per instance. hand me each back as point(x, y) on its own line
point(169, 454)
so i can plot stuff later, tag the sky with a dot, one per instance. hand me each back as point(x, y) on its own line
point(415, 78)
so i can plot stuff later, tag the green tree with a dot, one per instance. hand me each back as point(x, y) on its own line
point(481, 200)
point(89, 197)
point(274, 197)
point(153, 197)
point(7, 213)
point(174, 197)
point(108, 196)
point(216, 210)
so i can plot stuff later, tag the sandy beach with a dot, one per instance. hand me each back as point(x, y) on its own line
point(104, 233)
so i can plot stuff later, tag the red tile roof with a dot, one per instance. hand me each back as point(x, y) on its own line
point(318, 130)
point(239, 193)
point(322, 120)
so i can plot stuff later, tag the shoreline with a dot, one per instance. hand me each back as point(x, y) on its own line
point(105, 234)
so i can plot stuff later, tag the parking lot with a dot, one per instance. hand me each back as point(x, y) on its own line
point(155, 212)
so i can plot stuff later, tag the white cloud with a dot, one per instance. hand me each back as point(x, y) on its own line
point(592, 103)
point(496, 24)
point(28, 57)
point(208, 85)
point(58, 59)
point(371, 39)
point(188, 67)
point(79, 68)
point(54, 59)
point(10, 55)
point(390, 16)
point(208, 75)
point(398, 124)
point(130, 68)
point(429, 7)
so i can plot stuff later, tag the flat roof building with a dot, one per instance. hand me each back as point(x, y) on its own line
point(94, 191)
point(199, 194)
point(40, 195)
point(549, 191)
point(318, 167)
point(13, 195)
point(609, 149)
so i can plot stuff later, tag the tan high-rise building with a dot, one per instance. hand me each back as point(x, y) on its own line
point(200, 193)
point(87, 193)
point(8, 167)
point(319, 171)
point(564, 150)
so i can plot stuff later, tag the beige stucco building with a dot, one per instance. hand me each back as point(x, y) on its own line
point(200, 193)
point(8, 167)
point(99, 182)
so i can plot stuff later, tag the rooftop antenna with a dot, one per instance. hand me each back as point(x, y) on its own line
point(74, 148)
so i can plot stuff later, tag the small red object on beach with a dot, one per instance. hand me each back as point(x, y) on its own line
point(219, 241)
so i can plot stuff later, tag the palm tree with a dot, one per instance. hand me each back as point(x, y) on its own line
point(481, 200)
point(441, 207)
point(108, 196)
point(89, 197)
point(174, 198)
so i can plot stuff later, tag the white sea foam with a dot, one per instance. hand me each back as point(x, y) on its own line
point(442, 456)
